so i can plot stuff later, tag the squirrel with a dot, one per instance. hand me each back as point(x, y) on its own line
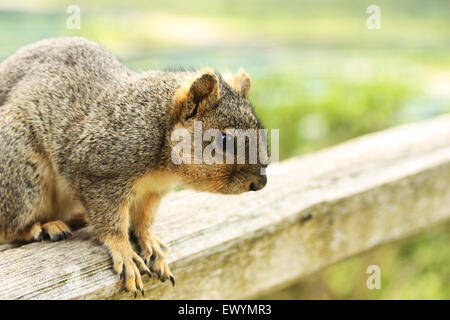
point(85, 140)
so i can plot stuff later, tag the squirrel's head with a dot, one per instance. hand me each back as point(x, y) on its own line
point(217, 142)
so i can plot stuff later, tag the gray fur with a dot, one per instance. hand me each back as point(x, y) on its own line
point(76, 122)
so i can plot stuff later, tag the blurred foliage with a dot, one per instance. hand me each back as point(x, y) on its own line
point(319, 75)
point(415, 268)
point(320, 113)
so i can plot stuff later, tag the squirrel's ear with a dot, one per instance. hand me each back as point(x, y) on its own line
point(241, 82)
point(205, 88)
point(202, 92)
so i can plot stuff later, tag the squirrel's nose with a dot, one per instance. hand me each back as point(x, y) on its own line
point(258, 183)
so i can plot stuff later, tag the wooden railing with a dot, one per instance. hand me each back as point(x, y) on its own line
point(315, 211)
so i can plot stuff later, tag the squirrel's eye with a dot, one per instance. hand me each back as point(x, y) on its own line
point(227, 142)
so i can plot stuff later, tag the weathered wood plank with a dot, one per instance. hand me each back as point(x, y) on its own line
point(315, 211)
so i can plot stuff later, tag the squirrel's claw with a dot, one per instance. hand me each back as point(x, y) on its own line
point(40, 236)
point(154, 253)
point(161, 268)
point(128, 265)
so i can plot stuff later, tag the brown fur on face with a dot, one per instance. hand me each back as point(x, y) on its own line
point(222, 105)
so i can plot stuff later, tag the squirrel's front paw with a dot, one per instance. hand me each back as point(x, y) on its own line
point(154, 253)
point(128, 265)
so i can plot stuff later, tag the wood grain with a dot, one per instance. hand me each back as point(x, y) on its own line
point(316, 210)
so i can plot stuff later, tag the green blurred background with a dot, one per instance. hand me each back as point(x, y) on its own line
point(319, 75)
